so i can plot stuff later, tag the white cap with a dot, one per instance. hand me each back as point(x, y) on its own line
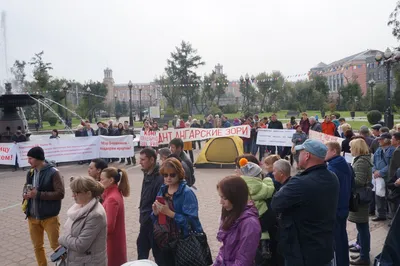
point(140, 263)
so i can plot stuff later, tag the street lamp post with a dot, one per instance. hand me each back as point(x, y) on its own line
point(65, 88)
point(89, 106)
point(130, 85)
point(115, 105)
point(389, 59)
point(371, 84)
point(140, 103)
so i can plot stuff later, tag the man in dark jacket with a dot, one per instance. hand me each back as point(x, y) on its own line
point(307, 204)
point(101, 130)
point(152, 182)
point(196, 124)
point(314, 124)
point(176, 146)
point(43, 191)
point(338, 165)
point(274, 124)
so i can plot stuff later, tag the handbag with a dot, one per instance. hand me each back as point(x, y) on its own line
point(365, 194)
point(165, 235)
point(354, 196)
point(193, 250)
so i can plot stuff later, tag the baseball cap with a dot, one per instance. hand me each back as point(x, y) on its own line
point(385, 136)
point(314, 147)
point(376, 126)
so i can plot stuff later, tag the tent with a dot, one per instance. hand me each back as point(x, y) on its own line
point(220, 153)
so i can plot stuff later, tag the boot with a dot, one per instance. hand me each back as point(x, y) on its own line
point(122, 160)
point(128, 161)
point(134, 160)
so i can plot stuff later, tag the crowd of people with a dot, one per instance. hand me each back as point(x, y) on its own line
point(268, 216)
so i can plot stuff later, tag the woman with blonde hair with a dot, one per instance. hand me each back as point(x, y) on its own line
point(85, 231)
point(362, 167)
point(116, 184)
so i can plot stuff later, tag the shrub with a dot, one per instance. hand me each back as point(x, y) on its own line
point(374, 116)
point(336, 114)
point(229, 109)
point(52, 121)
point(215, 110)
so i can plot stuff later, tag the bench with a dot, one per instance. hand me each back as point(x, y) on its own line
point(292, 113)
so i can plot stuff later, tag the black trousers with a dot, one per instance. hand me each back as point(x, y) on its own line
point(145, 242)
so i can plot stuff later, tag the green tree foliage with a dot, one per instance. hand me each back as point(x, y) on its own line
point(18, 70)
point(351, 95)
point(214, 87)
point(380, 97)
point(394, 22)
point(374, 116)
point(91, 103)
point(40, 71)
point(180, 71)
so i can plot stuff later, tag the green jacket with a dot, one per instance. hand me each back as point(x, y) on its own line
point(362, 167)
point(259, 191)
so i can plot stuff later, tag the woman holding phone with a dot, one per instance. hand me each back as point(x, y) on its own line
point(176, 208)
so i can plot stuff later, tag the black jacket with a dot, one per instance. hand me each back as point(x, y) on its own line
point(152, 182)
point(101, 131)
point(307, 204)
point(50, 192)
point(190, 178)
point(275, 125)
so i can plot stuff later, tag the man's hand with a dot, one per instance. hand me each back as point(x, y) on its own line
point(31, 194)
point(377, 174)
point(397, 183)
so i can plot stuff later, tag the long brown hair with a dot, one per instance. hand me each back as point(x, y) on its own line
point(120, 177)
point(235, 190)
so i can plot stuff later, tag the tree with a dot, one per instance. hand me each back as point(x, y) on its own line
point(394, 22)
point(181, 70)
point(396, 96)
point(214, 87)
point(264, 84)
point(93, 101)
point(124, 108)
point(249, 94)
point(351, 95)
point(18, 70)
point(380, 97)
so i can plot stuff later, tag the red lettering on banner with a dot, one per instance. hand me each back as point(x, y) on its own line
point(149, 133)
point(192, 134)
point(6, 157)
point(5, 149)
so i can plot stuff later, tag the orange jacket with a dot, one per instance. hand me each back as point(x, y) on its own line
point(328, 128)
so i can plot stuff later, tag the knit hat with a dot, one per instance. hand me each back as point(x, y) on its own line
point(36, 153)
point(249, 169)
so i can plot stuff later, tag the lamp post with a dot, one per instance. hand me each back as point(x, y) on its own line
point(115, 106)
point(89, 106)
point(389, 59)
point(130, 103)
point(140, 103)
point(371, 84)
point(65, 88)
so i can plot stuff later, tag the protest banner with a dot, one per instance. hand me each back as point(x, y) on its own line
point(61, 150)
point(8, 152)
point(192, 134)
point(324, 137)
point(148, 138)
point(275, 137)
point(116, 147)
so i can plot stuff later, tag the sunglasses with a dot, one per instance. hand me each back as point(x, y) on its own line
point(173, 175)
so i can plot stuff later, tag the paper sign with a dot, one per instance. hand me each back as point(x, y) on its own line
point(275, 137)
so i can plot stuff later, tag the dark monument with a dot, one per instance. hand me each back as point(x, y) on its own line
point(11, 114)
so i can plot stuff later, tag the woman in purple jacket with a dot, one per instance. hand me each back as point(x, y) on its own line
point(240, 229)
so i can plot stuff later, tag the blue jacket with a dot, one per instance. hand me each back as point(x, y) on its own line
point(186, 208)
point(341, 168)
point(226, 124)
point(381, 161)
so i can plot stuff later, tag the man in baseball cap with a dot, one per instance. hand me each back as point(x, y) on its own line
point(308, 202)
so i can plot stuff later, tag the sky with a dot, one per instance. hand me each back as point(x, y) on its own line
point(135, 38)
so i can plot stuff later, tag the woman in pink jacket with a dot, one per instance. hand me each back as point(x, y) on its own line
point(116, 184)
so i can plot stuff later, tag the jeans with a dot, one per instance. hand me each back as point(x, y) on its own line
point(145, 242)
point(247, 146)
point(364, 240)
point(36, 229)
point(258, 148)
point(372, 204)
point(341, 242)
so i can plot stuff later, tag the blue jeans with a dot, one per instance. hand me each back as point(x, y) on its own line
point(341, 242)
point(364, 240)
point(247, 146)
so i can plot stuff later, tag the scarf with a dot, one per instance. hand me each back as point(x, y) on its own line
point(76, 211)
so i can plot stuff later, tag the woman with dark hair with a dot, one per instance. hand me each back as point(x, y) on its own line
point(179, 207)
point(348, 134)
point(54, 134)
point(240, 229)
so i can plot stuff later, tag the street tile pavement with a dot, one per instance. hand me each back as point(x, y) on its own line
point(16, 247)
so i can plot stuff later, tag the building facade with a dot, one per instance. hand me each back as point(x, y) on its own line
point(360, 68)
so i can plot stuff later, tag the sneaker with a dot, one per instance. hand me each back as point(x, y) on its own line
point(355, 249)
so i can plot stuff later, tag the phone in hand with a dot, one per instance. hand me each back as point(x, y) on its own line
point(58, 253)
point(162, 219)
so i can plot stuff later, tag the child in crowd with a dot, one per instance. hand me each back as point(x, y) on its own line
point(261, 191)
point(268, 168)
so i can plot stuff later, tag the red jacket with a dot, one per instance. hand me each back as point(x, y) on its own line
point(116, 237)
point(328, 128)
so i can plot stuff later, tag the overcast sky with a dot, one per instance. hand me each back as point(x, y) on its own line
point(135, 38)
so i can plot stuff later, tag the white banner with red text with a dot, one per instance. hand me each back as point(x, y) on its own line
point(74, 149)
point(155, 138)
point(8, 153)
point(324, 137)
point(275, 137)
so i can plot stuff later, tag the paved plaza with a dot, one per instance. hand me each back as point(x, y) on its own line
point(16, 247)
